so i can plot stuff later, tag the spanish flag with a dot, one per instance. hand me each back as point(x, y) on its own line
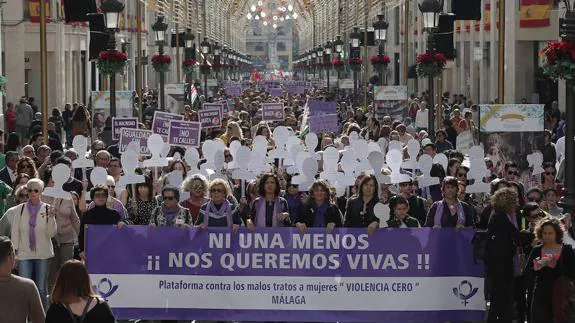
point(534, 13)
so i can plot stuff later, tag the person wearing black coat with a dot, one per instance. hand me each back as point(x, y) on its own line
point(401, 218)
point(501, 255)
point(359, 209)
point(551, 265)
point(318, 212)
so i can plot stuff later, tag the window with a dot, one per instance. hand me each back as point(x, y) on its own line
point(260, 47)
point(281, 46)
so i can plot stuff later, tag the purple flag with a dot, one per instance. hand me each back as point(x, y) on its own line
point(120, 123)
point(273, 112)
point(161, 123)
point(184, 133)
point(323, 123)
point(278, 275)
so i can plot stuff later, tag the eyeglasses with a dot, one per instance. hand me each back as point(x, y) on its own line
point(533, 199)
point(33, 191)
point(111, 186)
point(537, 215)
point(216, 190)
point(511, 172)
point(550, 173)
point(197, 187)
point(169, 198)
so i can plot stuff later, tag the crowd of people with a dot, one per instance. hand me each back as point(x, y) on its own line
point(528, 252)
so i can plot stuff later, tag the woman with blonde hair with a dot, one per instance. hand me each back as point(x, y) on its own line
point(218, 211)
point(73, 299)
point(197, 185)
point(232, 130)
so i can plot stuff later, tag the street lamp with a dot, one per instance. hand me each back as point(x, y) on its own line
point(225, 59)
point(206, 48)
point(354, 40)
point(217, 52)
point(431, 10)
point(338, 47)
point(327, 59)
point(567, 33)
point(160, 28)
point(112, 10)
point(380, 32)
point(189, 55)
point(319, 51)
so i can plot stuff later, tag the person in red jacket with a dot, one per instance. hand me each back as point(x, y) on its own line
point(10, 118)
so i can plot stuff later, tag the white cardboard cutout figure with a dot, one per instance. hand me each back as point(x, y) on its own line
point(98, 176)
point(192, 157)
point(425, 164)
point(361, 151)
point(442, 160)
point(80, 144)
point(535, 160)
point(375, 159)
point(129, 164)
point(311, 142)
point(382, 212)
point(306, 178)
point(394, 159)
point(478, 170)
point(383, 144)
point(176, 178)
point(155, 146)
point(413, 148)
point(395, 145)
point(60, 175)
point(330, 159)
point(242, 160)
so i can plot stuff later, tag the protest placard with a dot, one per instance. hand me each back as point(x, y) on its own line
point(161, 122)
point(119, 123)
point(272, 111)
point(211, 116)
point(322, 107)
point(323, 123)
point(138, 135)
point(184, 133)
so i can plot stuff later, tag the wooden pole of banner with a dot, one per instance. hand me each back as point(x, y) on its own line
point(43, 70)
point(139, 68)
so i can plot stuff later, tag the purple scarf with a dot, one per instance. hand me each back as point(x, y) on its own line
point(439, 213)
point(261, 212)
point(224, 211)
point(170, 214)
point(33, 211)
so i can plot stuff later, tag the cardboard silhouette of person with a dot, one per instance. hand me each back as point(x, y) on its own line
point(80, 144)
point(535, 160)
point(425, 164)
point(382, 212)
point(478, 170)
point(129, 164)
point(156, 146)
point(60, 175)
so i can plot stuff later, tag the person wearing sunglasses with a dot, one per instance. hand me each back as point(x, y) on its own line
point(197, 186)
point(99, 215)
point(112, 202)
point(170, 213)
point(33, 228)
point(548, 179)
point(27, 166)
point(219, 211)
point(534, 195)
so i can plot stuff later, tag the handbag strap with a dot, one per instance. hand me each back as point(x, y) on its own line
point(84, 312)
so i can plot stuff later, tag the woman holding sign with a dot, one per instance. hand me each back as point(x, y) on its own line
point(359, 209)
point(318, 212)
point(269, 209)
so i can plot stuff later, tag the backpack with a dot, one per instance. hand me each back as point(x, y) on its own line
point(479, 243)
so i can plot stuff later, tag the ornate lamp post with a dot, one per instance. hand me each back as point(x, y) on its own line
point(217, 58)
point(159, 28)
point(189, 62)
point(380, 31)
point(431, 10)
point(327, 60)
point(112, 10)
point(354, 39)
point(225, 60)
point(319, 52)
point(338, 46)
point(205, 48)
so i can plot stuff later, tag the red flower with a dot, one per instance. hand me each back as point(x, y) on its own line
point(161, 59)
point(189, 62)
point(112, 56)
point(355, 61)
point(380, 59)
point(432, 57)
point(338, 62)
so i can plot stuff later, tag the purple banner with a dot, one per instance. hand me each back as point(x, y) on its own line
point(138, 135)
point(322, 107)
point(184, 133)
point(278, 275)
point(273, 112)
point(161, 123)
point(120, 123)
point(211, 116)
point(275, 91)
point(323, 123)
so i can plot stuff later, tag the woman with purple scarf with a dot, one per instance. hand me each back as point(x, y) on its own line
point(33, 228)
point(219, 211)
point(450, 212)
point(269, 209)
point(318, 212)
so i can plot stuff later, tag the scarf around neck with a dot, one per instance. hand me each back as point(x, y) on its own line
point(439, 213)
point(223, 211)
point(261, 212)
point(33, 211)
